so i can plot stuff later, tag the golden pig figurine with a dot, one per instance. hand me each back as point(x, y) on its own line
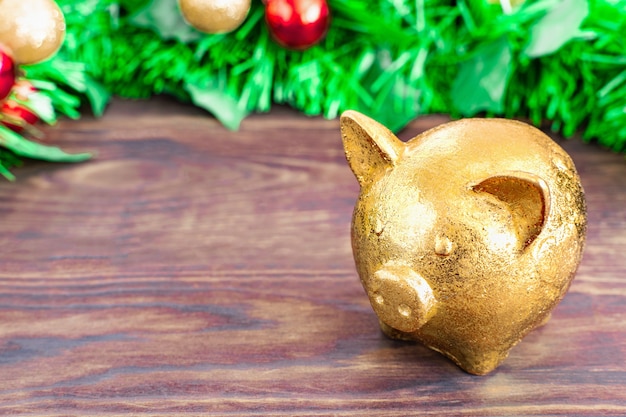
point(465, 237)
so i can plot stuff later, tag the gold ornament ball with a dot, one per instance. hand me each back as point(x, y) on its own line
point(32, 30)
point(214, 16)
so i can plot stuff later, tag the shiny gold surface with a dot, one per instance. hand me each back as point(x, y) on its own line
point(32, 30)
point(466, 236)
point(214, 16)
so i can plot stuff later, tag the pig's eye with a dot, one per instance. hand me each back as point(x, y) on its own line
point(443, 245)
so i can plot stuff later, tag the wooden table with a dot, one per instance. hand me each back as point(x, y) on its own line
point(190, 270)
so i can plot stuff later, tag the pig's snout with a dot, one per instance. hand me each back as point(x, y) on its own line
point(401, 297)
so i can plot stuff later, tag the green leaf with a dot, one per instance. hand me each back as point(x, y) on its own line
point(41, 105)
point(73, 75)
point(560, 25)
point(98, 97)
point(24, 147)
point(164, 17)
point(6, 173)
point(216, 101)
point(8, 160)
point(63, 102)
point(482, 80)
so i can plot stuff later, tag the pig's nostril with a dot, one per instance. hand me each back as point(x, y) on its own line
point(404, 310)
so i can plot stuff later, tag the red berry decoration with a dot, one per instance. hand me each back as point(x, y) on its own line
point(17, 112)
point(297, 24)
point(7, 74)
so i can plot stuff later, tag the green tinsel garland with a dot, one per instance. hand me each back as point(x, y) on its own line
point(560, 61)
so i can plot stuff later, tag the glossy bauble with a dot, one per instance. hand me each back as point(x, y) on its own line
point(214, 16)
point(32, 30)
point(297, 24)
point(7, 74)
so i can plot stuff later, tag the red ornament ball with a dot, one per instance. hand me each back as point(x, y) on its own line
point(17, 112)
point(297, 24)
point(7, 74)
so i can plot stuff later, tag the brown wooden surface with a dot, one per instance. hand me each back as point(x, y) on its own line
point(190, 270)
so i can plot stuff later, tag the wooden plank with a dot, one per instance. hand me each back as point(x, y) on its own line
point(192, 270)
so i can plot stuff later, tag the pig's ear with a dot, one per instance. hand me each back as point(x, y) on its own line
point(526, 196)
point(370, 147)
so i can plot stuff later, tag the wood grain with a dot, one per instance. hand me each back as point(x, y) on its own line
point(190, 270)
